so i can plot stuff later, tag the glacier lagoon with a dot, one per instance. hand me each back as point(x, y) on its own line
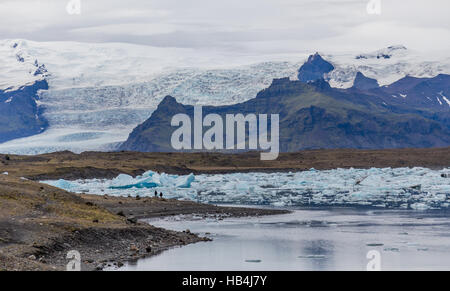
point(309, 239)
point(337, 217)
point(398, 188)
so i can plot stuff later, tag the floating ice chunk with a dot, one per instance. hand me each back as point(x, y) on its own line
point(278, 204)
point(124, 181)
point(61, 183)
point(148, 174)
point(185, 182)
point(151, 180)
point(387, 187)
point(420, 206)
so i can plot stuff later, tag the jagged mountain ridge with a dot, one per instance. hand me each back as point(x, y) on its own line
point(312, 115)
point(102, 91)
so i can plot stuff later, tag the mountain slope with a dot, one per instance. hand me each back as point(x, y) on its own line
point(312, 116)
point(98, 92)
point(424, 93)
point(364, 83)
point(19, 112)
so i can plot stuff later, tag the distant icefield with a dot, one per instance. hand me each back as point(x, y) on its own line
point(99, 92)
point(398, 188)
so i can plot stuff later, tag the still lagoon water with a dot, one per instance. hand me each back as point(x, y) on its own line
point(310, 239)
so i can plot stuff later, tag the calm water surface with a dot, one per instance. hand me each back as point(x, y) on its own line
point(326, 239)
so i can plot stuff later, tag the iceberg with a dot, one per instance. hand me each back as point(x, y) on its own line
point(375, 187)
point(151, 180)
point(124, 181)
point(185, 182)
point(63, 184)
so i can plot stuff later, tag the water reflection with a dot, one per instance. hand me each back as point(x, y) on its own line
point(321, 239)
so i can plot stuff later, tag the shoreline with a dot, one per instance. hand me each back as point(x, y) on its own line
point(89, 165)
point(136, 209)
point(40, 224)
point(309, 240)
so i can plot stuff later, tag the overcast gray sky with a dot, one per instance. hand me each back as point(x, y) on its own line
point(259, 26)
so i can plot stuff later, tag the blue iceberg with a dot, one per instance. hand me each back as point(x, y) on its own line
point(151, 180)
point(62, 184)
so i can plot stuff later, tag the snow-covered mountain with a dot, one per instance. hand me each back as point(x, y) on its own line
point(99, 92)
point(386, 66)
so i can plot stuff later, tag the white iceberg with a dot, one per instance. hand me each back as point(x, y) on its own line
point(63, 184)
point(375, 187)
point(151, 180)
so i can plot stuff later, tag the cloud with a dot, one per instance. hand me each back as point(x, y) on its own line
point(250, 26)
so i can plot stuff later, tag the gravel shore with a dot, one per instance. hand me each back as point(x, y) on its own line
point(40, 224)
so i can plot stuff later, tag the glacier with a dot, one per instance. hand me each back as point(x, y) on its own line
point(399, 188)
point(110, 88)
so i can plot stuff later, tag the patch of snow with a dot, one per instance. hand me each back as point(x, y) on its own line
point(446, 100)
point(18, 65)
point(385, 53)
point(444, 97)
point(402, 62)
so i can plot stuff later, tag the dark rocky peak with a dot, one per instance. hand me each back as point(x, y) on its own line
point(281, 81)
point(283, 86)
point(168, 105)
point(314, 69)
point(364, 83)
point(168, 101)
point(41, 70)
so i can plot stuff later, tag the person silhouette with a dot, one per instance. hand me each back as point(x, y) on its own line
point(161, 195)
point(156, 193)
